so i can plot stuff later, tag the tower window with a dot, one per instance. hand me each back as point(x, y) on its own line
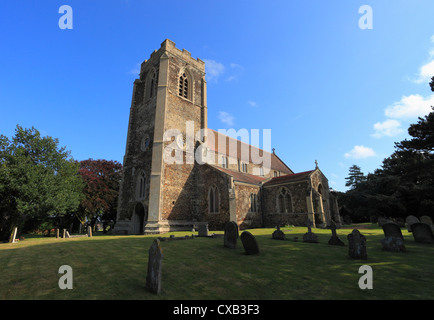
point(253, 202)
point(183, 85)
point(141, 185)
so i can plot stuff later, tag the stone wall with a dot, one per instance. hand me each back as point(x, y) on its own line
point(245, 217)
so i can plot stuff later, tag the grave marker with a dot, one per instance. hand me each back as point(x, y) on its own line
point(357, 245)
point(231, 235)
point(155, 259)
point(249, 243)
point(422, 232)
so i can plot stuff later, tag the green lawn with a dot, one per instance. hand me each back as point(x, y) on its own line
point(114, 267)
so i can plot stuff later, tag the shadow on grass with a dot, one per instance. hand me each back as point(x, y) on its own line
point(114, 267)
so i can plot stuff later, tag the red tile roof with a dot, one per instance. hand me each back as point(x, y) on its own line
point(276, 163)
point(289, 177)
point(241, 176)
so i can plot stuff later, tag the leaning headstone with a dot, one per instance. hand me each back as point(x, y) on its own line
point(249, 243)
point(395, 244)
point(334, 240)
point(67, 234)
point(231, 235)
point(13, 235)
point(422, 232)
point(309, 236)
point(278, 234)
point(410, 220)
point(203, 230)
point(89, 231)
point(391, 229)
point(155, 259)
point(357, 245)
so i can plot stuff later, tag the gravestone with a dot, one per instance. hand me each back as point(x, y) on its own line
point(393, 244)
point(231, 235)
point(57, 233)
point(89, 231)
point(64, 234)
point(422, 232)
point(13, 235)
point(278, 234)
point(391, 229)
point(334, 240)
point(426, 219)
point(393, 239)
point(203, 230)
point(309, 236)
point(357, 245)
point(249, 243)
point(155, 259)
point(410, 220)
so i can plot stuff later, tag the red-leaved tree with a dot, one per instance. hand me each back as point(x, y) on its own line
point(102, 179)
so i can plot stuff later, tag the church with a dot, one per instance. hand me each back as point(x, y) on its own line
point(178, 173)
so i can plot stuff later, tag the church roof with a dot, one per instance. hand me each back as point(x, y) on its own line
point(276, 163)
point(289, 177)
point(241, 176)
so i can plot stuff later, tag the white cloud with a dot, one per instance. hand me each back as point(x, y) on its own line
point(213, 69)
point(136, 69)
point(411, 106)
point(360, 152)
point(426, 72)
point(388, 128)
point(226, 118)
point(252, 103)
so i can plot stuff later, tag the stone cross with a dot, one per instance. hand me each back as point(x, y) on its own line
point(334, 240)
point(155, 259)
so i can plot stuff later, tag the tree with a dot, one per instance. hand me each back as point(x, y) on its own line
point(355, 177)
point(102, 180)
point(38, 179)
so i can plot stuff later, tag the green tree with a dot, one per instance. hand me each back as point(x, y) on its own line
point(355, 177)
point(38, 179)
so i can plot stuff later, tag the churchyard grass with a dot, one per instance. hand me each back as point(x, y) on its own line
point(114, 267)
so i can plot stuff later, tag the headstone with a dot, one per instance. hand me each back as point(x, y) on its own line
point(67, 234)
point(64, 234)
point(309, 236)
point(278, 234)
point(410, 220)
point(391, 229)
point(203, 230)
point(13, 235)
point(57, 233)
point(231, 235)
point(357, 245)
point(153, 277)
point(422, 232)
point(89, 231)
point(393, 244)
point(334, 240)
point(249, 243)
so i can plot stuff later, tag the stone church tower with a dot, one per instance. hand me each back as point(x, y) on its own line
point(170, 92)
point(167, 185)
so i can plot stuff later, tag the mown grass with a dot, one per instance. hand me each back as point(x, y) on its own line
point(114, 267)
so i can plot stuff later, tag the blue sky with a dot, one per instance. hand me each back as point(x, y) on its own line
point(328, 90)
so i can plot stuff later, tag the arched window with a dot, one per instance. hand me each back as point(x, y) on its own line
point(151, 84)
point(213, 200)
point(141, 186)
point(284, 202)
point(253, 202)
point(183, 85)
